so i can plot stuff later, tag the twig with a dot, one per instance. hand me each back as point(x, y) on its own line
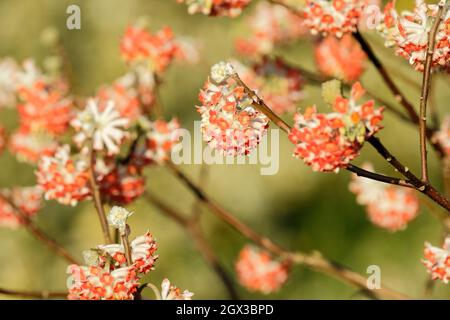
point(97, 197)
point(126, 245)
point(425, 91)
point(192, 227)
point(378, 177)
point(44, 294)
point(38, 233)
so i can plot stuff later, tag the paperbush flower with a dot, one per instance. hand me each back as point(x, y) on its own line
point(125, 98)
point(26, 199)
point(8, 82)
point(329, 141)
point(257, 271)
point(336, 17)
point(230, 8)
point(437, 261)
point(388, 206)
point(161, 137)
point(44, 108)
point(96, 283)
point(122, 184)
point(64, 179)
point(143, 253)
point(230, 124)
point(408, 31)
point(141, 79)
point(158, 49)
point(443, 135)
point(170, 292)
point(31, 147)
point(270, 25)
point(340, 58)
point(105, 128)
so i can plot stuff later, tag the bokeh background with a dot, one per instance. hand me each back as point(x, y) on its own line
point(300, 209)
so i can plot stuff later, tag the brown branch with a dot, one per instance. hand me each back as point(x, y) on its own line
point(426, 80)
point(425, 188)
point(313, 261)
point(44, 294)
point(97, 198)
point(378, 177)
point(193, 229)
point(38, 233)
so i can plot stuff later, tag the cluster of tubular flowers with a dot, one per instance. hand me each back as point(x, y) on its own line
point(161, 137)
point(229, 8)
point(437, 261)
point(30, 147)
point(408, 32)
point(329, 141)
point(230, 124)
point(388, 206)
point(443, 135)
point(257, 271)
point(9, 71)
point(270, 25)
point(340, 58)
point(107, 274)
point(26, 199)
point(121, 184)
point(104, 129)
point(157, 49)
point(336, 17)
point(280, 86)
point(63, 178)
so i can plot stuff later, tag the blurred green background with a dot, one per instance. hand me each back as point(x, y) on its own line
point(296, 207)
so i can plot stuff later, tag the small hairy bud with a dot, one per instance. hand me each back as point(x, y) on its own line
point(117, 218)
point(221, 71)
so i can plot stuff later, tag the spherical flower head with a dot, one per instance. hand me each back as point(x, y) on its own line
point(44, 108)
point(443, 135)
point(229, 8)
point(388, 206)
point(171, 292)
point(28, 200)
point(30, 147)
point(105, 130)
point(270, 25)
point(157, 49)
point(340, 58)
point(97, 283)
point(230, 123)
point(257, 271)
point(328, 142)
point(437, 261)
point(117, 218)
point(143, 253)
point(336, 17)
point(64, 178)
point(221, 71)
point(161, 138)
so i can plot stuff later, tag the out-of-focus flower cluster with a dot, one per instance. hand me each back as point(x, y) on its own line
point(329, 141)
point(27, 200)
point(229, 8)
point(443, 135)
point(408, 33)
point(388, 206)
point(270, 25)
point(437, 261)
point(258, 271)
point(336, 17)
point(340, 58)
point(230, 123)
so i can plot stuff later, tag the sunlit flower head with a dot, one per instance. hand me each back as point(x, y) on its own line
point(161, 137)
point(437, 261)
point(388, 206)
point(329, 141)
point(30, 147)
point(63, 178)
point(258, 271)
point(104, 129)
point(171, 292)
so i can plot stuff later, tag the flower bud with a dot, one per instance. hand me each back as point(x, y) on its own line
point(117, 218)
point(221, 71)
